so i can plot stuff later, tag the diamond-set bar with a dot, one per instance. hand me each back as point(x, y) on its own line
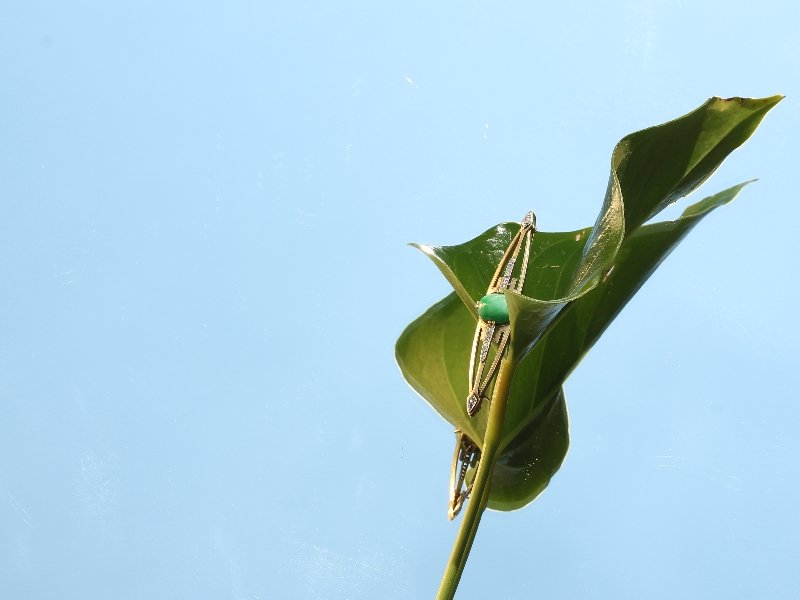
point(488, 332)
point(487, 341)
point(507, 274)
point(467, 454)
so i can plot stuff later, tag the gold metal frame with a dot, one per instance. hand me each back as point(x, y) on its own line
point(487, 332)
point(467, 455)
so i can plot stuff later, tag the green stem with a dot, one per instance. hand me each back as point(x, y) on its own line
point(480, 487)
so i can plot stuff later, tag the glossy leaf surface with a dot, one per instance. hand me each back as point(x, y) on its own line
point(577, 283)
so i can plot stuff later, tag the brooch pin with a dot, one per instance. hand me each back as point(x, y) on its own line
point(492, 335)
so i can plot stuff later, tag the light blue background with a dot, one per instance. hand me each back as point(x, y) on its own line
point(203, 212)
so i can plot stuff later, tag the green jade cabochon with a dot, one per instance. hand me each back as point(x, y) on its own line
point(493, 307)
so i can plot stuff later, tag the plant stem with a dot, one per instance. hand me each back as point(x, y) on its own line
point(480, 487)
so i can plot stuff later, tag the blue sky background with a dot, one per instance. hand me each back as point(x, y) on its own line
point(203, 216)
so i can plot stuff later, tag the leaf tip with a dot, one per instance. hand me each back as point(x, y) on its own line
point(773, 100)
point(424, 248)
point(744, 100)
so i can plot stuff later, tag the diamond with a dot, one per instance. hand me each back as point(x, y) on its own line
point(529, 219)
point(473, 403)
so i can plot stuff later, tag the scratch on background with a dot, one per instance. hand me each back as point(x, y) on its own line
point(19, 509)
point(326, 572)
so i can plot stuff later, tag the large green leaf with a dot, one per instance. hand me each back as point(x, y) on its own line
point(577, 283)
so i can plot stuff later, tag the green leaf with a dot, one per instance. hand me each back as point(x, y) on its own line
point(577, 283)
point(659, 165)
point(578, 328)
point(525, 468)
